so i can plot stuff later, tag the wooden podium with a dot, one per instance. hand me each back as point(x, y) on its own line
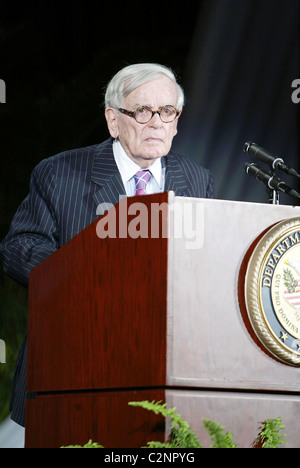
point(144, 304)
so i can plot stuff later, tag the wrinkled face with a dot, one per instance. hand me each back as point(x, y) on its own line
point(145, 142)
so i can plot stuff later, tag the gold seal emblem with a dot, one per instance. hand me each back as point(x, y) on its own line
point(272, 291)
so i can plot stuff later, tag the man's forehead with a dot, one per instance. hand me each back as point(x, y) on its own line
point(162, 89)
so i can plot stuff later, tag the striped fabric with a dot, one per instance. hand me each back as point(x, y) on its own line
point(65, 191)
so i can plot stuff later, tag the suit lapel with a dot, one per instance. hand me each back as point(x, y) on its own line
point(106, 175)
point(175, 179)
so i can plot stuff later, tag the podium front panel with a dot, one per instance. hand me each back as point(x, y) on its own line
point(97, 311)
point(209, 344)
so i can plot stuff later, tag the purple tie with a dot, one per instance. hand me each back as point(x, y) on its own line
point(141, 179)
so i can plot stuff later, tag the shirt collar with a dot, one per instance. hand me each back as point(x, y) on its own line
point(128, 168)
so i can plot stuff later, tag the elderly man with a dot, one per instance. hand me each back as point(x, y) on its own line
point(143, 103)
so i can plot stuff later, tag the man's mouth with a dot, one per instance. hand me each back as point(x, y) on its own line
point(153, 139)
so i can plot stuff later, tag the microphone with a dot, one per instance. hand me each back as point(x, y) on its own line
point(273, 161)
point(271, 181)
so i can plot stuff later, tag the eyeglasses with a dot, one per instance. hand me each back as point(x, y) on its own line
point(144, 114)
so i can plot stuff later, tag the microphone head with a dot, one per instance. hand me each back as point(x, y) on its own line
point(246, 167)
point(247, 146)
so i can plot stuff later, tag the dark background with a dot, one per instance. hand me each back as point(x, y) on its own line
point(236, 60)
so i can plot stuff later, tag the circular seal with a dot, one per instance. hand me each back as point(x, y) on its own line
point(272, 291)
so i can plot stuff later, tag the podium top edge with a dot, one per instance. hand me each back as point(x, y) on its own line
point(234, 202)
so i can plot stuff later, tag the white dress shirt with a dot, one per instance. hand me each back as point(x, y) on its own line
point(128, 168)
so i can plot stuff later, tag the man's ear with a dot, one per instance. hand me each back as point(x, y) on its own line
point(112, 122)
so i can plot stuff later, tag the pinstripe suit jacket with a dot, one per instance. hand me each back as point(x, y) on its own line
point(65, 191)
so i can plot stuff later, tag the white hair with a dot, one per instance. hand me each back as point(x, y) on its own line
point(133, 76)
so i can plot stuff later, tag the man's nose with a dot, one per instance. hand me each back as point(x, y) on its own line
point(155, 121)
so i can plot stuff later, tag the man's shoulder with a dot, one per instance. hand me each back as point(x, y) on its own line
point(198, 179)
point(186, 163)
point(80, 153)
point(74, 158)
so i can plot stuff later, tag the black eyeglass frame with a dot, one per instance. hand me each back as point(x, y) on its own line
point(158, 111)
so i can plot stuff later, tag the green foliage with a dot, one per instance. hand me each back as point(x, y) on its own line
point(183, 437)
point(219, 438)
point(270, 433)
point(181, 433)
point(13, 323)
point(90, 444)
point(289, 282)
